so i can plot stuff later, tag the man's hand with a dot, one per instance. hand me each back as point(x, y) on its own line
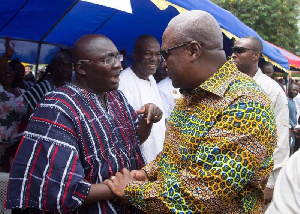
point(151, 112)
point(268, 195)
point(139, 175)
point(118, 182)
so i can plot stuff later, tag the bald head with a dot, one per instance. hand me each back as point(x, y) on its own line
point(197, 25)
point(60, 56)
point(87, 45)
point(293, 90)
point(142, 40)
point(254, 42)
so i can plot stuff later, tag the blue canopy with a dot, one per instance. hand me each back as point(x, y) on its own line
point(40, 27)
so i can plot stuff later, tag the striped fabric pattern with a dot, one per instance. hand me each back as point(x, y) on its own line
point(34, 95)
point(71, 141)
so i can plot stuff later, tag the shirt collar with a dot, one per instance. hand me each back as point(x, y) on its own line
point(258, 74)
point(219, 81)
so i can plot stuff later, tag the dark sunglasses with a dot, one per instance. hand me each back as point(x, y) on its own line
point(239, 50)
point(165, 53)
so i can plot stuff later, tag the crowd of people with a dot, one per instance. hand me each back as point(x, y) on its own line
point(181, 130)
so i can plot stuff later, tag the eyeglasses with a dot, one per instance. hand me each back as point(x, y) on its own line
point(165, 53)
point(239, 50)
point(109, 60)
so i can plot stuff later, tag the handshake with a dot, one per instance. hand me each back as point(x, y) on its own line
point(118, 182)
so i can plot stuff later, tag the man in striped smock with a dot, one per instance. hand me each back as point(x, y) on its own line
point(80, 135)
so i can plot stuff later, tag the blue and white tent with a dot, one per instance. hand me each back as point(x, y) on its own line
point(39, 27)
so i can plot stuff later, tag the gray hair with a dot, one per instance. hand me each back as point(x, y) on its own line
point(197, 25)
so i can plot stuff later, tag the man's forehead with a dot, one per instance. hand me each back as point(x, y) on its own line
point(168, 37)
point(243, 42)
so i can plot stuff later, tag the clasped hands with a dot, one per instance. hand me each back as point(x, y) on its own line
point(118, 182)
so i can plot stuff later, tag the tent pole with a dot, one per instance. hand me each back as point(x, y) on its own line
point(37, 60)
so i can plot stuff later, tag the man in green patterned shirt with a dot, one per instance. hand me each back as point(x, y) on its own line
point(217, 155)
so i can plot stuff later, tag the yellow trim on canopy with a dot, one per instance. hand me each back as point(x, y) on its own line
point(275, 63)
point(163, 4)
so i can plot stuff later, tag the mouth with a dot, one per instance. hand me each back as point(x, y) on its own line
point(152, 66)
point(115, 78)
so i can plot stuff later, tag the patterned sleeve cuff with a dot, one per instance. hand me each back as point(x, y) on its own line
point(151, 170)
point(81, 191)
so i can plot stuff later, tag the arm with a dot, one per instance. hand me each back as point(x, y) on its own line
point(99, 192)
point(282, 150)
point(151, 114)
point(9, 52)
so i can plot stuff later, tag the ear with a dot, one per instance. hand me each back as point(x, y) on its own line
point(195, 51)
point(80, 68)
point(257, 55)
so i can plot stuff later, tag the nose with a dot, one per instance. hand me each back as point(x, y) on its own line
point(117, 63)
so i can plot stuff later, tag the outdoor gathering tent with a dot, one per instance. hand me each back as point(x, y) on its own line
point(38, 28)
point(294, 61)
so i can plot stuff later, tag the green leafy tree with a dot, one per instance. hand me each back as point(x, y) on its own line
point(275, 21)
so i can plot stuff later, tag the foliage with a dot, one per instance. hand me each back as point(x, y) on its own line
point(275, 21)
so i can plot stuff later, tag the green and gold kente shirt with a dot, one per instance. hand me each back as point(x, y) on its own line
point(217, 155)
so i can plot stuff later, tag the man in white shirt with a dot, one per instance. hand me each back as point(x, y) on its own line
point(246, 53)
point(139, 86)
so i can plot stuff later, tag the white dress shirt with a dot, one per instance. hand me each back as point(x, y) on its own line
point(281, 111)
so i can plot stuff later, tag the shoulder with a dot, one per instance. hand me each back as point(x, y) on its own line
point(127, 72)
point(246, 88)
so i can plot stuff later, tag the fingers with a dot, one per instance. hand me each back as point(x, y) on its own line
point(110, 184)
point(142, 110)
point(125, 171)
point(133, 173)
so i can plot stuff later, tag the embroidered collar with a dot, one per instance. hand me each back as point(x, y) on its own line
point(218, 82)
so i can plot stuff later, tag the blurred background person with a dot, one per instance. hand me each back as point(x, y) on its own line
point(19, 70)
point(12, 113)
point(28, 74)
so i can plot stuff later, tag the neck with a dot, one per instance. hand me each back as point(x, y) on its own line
point(137, 70)
point(83, 86)
point(252, 71)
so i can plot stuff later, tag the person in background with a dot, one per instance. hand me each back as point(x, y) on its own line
point(61, 66)
point(217, 155)
point(267, 69)
point(28, 74)
point(292, 92)
point(79, 135)
point(19, 70)
point(12, 111)
point(139, 86)
point(246, 53)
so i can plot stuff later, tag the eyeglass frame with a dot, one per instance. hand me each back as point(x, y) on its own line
point(240, 48)
point(117, 57)
point(167, 51)
point(164, 52)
